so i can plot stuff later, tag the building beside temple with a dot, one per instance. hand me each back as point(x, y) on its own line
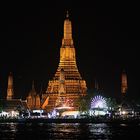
point(12, 106)
point(33, 99)
point(67, 82)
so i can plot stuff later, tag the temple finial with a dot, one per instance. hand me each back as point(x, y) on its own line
point(67, 15)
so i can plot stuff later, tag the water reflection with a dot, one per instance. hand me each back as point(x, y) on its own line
point(43, 131)
point(8, 130)
point(122, 124)
point(99, 131)
point(64, 130)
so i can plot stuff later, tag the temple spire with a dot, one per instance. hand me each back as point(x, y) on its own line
point(124, 86)
point(67, 37)
point(67, 15)
point(10, 92)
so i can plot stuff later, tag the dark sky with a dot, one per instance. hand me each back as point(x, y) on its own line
point(106, 38)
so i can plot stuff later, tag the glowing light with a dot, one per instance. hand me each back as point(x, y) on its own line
point(63, 107)
point(70, 113)
point(99, 112)
point(13, 113)
point(37, 111)
point(98, 102)
point(123, 112)
point(3, 113)
point(49, 116)
point(54, 113)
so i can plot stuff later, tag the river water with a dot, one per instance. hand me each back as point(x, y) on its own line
point(45, 131)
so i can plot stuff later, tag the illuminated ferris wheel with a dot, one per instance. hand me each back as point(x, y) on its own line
point(98, 102)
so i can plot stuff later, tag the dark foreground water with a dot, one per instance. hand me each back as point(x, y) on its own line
point(45, 131)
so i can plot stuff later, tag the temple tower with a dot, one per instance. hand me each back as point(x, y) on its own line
point(124, 86)
point(74, 86)
point(10, 92)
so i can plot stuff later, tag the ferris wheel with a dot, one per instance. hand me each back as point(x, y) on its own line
point(98, 102)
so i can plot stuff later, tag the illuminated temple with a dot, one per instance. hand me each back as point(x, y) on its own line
point(67, 83)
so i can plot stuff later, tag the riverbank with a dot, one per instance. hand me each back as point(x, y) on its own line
point(85, 120)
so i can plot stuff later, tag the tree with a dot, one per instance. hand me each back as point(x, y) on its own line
point(112, 104)
point(83, 104)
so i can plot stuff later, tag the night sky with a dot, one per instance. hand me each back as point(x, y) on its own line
point(106, 39)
